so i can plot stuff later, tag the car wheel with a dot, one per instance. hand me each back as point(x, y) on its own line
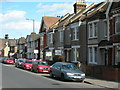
point(36, 71)
point(24, 68)
point(31, 69)
point(51, 75)
point(17, 66)
point(62, 77)
point(81, 81)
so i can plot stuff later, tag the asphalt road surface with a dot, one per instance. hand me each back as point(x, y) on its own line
point(13, 77)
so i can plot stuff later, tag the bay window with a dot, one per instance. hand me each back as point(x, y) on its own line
point(117, 24)
point(93, 55)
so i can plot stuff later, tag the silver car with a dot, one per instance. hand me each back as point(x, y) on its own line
point(66, 71)
point(18, 62)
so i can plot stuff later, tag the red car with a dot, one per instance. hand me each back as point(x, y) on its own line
point(9, 61)
point(27, 64)
point(40, 66)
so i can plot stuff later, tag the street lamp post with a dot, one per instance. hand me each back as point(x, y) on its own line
point(33, 23)
point(33, 31)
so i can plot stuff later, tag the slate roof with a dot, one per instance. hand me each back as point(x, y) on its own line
point(97, 11)
point(21, 40)
point(34, 36)
point(11, 42)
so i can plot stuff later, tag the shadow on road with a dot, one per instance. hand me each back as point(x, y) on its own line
point(58, 79)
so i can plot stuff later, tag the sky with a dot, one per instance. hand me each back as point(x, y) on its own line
point(13, 14)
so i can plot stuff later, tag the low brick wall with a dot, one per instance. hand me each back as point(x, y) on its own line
point(103, 72)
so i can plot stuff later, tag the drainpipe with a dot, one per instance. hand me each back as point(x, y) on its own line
point(107, 16)
point(108, 28)
point(86, 40)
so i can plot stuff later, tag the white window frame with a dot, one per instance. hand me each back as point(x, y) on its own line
point(105, 28)
point(51, 38)
point(76, 30)
point(41, 40)
point(61, 32)
point(117, 22)
point(75, 52)
point(90, 31)
point(93, 29)
point(93, 54)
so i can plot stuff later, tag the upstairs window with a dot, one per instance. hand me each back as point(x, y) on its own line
point(41, 40)
point(117, 25)
point(50, 38)
point(75, 33)
point(93, 30)
point(90, 30)
point(105, 28)
point(61, 36)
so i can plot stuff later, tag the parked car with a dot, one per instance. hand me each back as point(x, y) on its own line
point(2, 59)
point(40, 66)
point(27, 64)
point(18, 62)
point(66, 71)
point(9, 61)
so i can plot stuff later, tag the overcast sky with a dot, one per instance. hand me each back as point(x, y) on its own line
point(13, 14)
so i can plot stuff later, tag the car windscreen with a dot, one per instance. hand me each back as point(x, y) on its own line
point(20, 60)
point(9, 59)
point(43, 63)
point(69, 67)
point(28, 61)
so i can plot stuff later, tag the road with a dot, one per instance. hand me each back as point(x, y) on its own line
point(13, 77)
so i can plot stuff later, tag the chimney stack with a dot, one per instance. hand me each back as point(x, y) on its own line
point(6, 36)
point(79, 5)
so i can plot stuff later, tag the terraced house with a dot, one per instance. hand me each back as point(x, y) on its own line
point(69, 37)
point(90, 37)
point(31, 45)
point(21, 44)
point(8, 47)
point(46, 22)
point(101, 46)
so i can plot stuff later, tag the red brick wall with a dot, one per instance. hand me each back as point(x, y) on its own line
point(103, 72)
point(45, 40)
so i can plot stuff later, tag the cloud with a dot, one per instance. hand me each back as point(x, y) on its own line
point(15, 24)
point(49, 0)
point(55, 9)
point(20, 25)
point(12, 15)
point(59, 9)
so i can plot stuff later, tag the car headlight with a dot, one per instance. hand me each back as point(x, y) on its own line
point(27, 65)
point(40, 67)
point(69, 73)
point(82, 74)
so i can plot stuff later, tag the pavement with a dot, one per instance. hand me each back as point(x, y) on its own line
point(103, 83)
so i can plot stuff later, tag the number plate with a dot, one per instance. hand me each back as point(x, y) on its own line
point(77, 77)
point(45, 71)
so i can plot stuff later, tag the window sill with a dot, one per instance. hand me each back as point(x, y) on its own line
point(92, 63)
point(75, 39)
point(92, 37)
point(117, 33)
